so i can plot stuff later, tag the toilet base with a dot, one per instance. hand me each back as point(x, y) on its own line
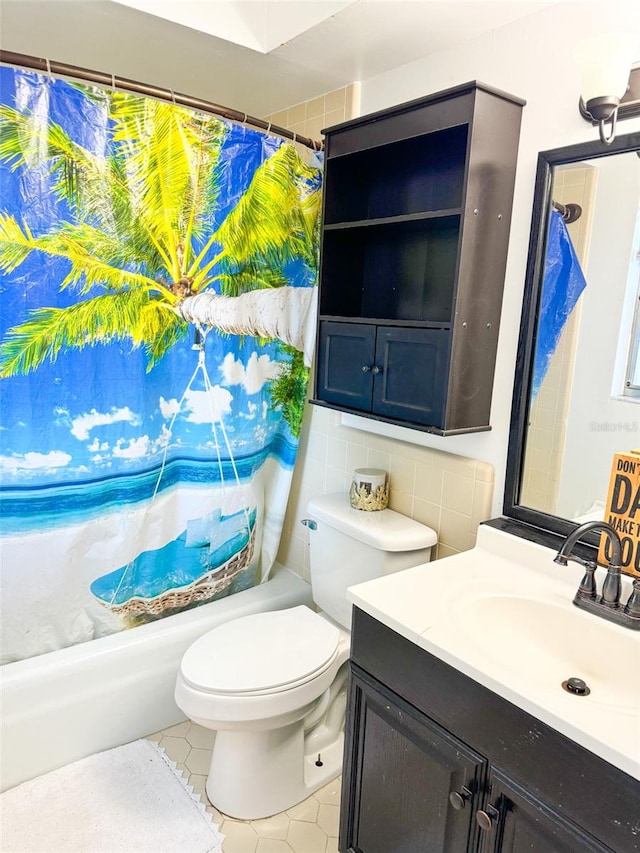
point(258, 774)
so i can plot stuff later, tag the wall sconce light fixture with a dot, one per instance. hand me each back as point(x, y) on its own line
point(610, 87)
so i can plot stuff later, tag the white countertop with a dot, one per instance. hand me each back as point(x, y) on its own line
point(502, 614)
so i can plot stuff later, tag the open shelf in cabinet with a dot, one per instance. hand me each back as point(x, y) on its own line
point(404, 270)
point(416, 175)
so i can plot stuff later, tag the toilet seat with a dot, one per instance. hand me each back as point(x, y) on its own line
point(261, 654)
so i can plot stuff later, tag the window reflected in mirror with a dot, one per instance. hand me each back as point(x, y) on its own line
point(631, 357)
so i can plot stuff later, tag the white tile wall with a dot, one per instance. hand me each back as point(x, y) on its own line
point(310, 117)
point(449, 493)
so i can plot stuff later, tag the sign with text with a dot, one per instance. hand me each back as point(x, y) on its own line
point(622, 511)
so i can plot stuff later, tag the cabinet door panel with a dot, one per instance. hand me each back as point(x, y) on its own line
point(344, 350)
point(405, 768)
point(412, 382)
point(527, 825)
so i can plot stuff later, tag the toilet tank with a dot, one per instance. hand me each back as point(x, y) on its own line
point(349, 546)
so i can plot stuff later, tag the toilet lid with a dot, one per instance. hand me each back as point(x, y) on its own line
point(260, 652)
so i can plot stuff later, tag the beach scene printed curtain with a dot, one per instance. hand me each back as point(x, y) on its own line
point(158, 271)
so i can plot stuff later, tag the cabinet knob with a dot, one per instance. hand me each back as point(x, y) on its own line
point(459, 798)
point(486, 819)
point(376, 369)
point(365, 368)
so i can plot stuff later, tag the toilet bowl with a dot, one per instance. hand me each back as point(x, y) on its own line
point(267, 684)
point(273, 685)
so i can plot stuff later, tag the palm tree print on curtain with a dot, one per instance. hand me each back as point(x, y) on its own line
point(158, 269)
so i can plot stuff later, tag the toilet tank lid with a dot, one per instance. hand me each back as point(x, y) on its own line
point(384, 529)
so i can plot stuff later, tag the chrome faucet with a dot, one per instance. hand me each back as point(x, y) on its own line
point(608, 604)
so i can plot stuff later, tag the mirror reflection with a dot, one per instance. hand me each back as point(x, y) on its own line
point(584, 397)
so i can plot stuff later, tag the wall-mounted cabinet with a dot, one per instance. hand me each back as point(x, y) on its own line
point(417, 208)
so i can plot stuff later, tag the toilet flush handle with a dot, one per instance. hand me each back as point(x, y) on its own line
point(310, 523)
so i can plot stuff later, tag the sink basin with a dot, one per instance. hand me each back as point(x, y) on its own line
point(548, 643)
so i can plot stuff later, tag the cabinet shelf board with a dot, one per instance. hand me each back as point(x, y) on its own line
point(377, 321)
point(402, 422)
point(458, 91)
point(394, 220)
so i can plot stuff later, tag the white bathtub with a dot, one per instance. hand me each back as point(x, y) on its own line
point(64, 705)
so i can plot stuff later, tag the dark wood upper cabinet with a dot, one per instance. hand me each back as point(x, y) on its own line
point(417, 209)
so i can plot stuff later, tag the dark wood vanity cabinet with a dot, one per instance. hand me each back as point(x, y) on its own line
point(437, 763)
point(514, 821)
point(435, 778)
point(417, 208)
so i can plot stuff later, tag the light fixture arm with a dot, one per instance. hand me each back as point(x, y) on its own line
point(602, 110)
point(607, 140)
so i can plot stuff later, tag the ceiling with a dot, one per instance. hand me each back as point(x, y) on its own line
point(258, 56)
point(350, 39)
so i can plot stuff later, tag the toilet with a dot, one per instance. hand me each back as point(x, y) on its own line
point(273, 685)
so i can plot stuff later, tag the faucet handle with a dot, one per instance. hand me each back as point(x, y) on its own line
point(632, 607)
point(587, 588)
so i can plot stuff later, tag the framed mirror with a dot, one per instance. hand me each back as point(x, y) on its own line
point(577, 390)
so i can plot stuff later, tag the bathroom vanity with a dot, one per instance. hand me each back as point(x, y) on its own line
point(459, 739)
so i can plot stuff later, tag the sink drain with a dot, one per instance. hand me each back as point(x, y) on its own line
point(576, 686)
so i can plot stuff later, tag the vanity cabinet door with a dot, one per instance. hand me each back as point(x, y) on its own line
point(415, 788)
point(516, 822)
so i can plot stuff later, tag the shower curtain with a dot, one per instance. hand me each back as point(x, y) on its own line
point(157, 273)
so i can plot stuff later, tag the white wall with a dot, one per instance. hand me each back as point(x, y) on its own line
point(531, 59)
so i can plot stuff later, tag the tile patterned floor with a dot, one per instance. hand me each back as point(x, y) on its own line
point(309, 827)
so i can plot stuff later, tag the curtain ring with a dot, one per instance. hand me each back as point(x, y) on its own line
point(48, 67)
point(294, 136)
point(173, 98)
point(269, 127)
point(113, 82)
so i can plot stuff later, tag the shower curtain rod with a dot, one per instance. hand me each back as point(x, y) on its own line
point(110, 81)
point(569, 212)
